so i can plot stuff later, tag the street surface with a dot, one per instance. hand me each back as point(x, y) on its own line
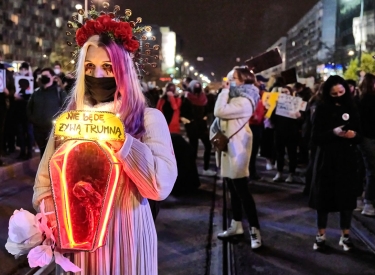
point(187, 227)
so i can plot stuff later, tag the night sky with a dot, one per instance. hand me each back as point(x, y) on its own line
point(221, 30)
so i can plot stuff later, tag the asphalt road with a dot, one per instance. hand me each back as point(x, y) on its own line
point(186, 247)
point(288, 228)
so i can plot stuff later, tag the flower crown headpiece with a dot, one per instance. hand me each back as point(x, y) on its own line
point(120, 29)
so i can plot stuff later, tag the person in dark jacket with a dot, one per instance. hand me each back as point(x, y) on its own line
point(286, 136)
point(335, 132)
point(43, 107)
point(25, 135)
point(193, 115)
point(367, 146)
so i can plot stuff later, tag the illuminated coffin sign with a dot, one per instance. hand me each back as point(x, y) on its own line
point(84, 175)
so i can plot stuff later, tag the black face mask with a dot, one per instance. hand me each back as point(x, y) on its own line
point(101, 89)
point(44, 79)
point(338, 100)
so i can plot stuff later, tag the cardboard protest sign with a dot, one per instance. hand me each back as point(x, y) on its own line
point(24, 84)
point(264, 61)
point(2, 80)
point(288, 106)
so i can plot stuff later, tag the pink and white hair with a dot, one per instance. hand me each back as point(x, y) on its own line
point(128, 97)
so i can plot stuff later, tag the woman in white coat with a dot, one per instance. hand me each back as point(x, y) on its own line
point(233, 109)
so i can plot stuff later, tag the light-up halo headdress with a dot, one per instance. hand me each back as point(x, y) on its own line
point(120, 29)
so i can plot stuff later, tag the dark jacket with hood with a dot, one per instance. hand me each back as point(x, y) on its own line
point(44, 105)
point(335, 180)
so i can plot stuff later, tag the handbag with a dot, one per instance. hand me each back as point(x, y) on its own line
point(220, 141)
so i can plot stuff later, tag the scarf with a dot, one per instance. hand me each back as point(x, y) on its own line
point(197, 99)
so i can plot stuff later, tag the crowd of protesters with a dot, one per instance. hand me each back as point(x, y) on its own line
point(332, 142)
point(26, 116)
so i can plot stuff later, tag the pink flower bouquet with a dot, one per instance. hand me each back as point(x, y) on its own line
point(32, 235)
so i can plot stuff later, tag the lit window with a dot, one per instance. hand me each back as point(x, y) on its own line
point(5, 49)
point(14, 18)
point(59, 22)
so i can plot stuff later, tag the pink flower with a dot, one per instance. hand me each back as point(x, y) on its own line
point(22, 226)
point(18, 249)
point(40, 256)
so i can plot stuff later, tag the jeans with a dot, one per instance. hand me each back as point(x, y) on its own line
point(368, 153)
point(195, 133)
point(345, 219)
point(241, 197)
point(41, 137)
point(25, 137)
point(291, 143)
point(257, 137)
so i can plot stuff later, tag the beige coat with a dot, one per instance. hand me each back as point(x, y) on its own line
point(232, 116)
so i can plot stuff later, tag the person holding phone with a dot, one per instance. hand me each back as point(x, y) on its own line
point(335, 133)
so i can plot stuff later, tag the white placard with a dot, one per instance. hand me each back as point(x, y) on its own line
point(2, 80)
point(24, 83)
point(288, 106)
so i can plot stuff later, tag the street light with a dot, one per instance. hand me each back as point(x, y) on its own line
point(78, 7)
point(191, 68)
point(178, 58)
point(351, 53)
point(186, 64)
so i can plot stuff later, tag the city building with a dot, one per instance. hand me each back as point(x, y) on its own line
point(281, 45)
point(311, 42)
point(30, 29)
point(348, 33)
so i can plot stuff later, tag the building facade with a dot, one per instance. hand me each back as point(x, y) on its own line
point(31, 28)
point(351, 32)
point(311, 42)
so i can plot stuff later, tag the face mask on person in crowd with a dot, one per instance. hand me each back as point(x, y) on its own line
point(101, 89)
point(23, 72)
point(45, 79)
point(57, 71)
point(232, 84)
point(338, 100)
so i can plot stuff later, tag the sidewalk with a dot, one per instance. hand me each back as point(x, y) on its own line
point(16, 168)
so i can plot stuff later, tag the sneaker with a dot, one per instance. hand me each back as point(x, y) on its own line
point(256, 239)
point(277, 178)
point(346, 242)
point(320, 242)
point(360, 205)
point(209, 173)
point(368, 210)
point(234, 229)
point(290, 178)
point(269, 166)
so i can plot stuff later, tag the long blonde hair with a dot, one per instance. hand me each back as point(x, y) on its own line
point(128, 96)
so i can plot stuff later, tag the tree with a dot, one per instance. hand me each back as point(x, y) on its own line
point(352, 70)
point(367, 65)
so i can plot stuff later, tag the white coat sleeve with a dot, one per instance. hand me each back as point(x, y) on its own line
point(42, 185)
point(151, 164)
point(238, 107)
